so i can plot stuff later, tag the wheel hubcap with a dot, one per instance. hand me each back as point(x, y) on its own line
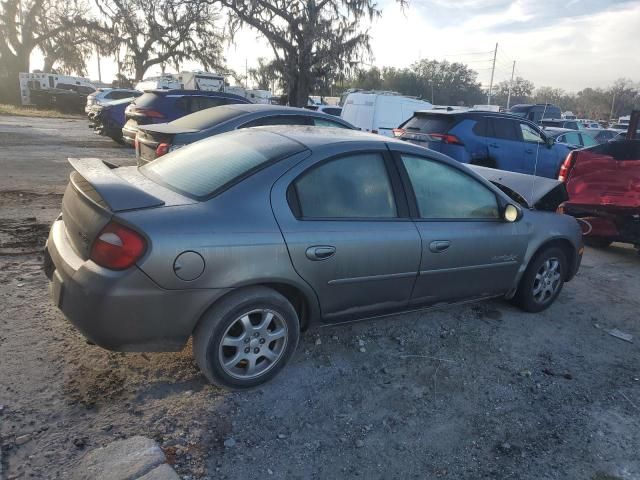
point(547, 280)
point(253, 344)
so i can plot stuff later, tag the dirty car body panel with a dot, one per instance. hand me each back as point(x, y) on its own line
point(333, 218)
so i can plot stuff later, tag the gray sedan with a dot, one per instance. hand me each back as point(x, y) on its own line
point(247, 238)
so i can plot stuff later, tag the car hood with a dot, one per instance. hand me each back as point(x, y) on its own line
point(530, 191)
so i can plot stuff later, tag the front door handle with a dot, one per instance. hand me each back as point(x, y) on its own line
point(529, 150)
point(320, 252)
point(494, 145)
point(438, 246)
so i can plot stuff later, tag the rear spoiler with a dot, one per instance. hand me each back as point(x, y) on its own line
point(538, 192)
point(117, 193)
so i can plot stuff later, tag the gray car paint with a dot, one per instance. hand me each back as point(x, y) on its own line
point(248, 235)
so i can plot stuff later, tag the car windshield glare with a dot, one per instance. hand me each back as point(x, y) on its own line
point(209, 166)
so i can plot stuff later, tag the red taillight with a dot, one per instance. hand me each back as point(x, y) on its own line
point(566, 167)
point(143, 111)
point(117, 247)
point(446, 138)
point(398, 132)
point(162, 149)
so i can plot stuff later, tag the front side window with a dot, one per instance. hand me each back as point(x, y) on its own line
point(354, 186)
point(572, 138)
point(444, 192)
point(529, 134)
point(588, 140)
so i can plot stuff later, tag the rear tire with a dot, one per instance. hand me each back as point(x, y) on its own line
point(597, 242)
point(246, 338)
point(542, 281)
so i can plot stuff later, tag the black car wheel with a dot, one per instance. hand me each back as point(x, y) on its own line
point(542, 281)
point(247, 338)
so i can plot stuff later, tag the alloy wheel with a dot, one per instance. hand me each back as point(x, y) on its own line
point(547, 280)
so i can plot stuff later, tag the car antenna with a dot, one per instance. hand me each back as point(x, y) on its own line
point(535, 165)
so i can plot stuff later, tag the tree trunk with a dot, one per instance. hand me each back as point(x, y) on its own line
point(48, 64)
point(9, 79)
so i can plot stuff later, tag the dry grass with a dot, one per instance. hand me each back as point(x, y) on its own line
point(6, 109)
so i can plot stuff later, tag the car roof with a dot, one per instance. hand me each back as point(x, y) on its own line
point(186, 93)
point(472, 113)
point(265, 107)
point(312, 137)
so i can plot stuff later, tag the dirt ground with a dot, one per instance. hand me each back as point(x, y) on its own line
point(476, 391)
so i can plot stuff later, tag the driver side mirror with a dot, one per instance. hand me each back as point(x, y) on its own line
point(511, 213)
point(549, 141)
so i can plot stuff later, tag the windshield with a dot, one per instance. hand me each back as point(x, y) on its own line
point(210, 165)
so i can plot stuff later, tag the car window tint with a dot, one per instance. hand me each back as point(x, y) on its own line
point(445, 192)
point(529, 134)
point(429, 123)
point(505, 129)
point(203, 168)
point(588, 140)
point(207, 118)
point(323, 122)
point(200, 103)
point(355, 186)
point(572, 138)
point(481, 128)
point(279, 120)
point(333, 111)
point(182, 103)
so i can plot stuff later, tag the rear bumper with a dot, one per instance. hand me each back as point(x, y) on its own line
point(129, 135)
point(123, 311)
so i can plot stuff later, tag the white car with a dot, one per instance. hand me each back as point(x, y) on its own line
point(106, 95)
point(380, 112)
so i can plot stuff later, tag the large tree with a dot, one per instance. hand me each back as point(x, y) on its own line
point(265, 75)
point(26, 25)
point(521, 90)
point(311, 39)
point(160, 32)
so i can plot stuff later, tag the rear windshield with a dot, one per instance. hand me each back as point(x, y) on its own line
point(429, 123)
point(207, 167)
point(146, 99)
point(207, 118)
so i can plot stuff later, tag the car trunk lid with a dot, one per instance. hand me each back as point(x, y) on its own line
point(149, 138)
point(98, 191)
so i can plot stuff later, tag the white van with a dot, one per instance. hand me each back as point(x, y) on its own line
point(380, 112)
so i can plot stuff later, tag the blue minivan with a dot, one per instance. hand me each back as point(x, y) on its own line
point(490, 139)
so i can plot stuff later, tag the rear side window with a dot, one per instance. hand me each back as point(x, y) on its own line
point(333, 111)
point(323, 122)
point(505, 129)
point(200, 103)
point(588, 140)
point(354, 186)
point(207, 118)
point(481, 127)
point(429, 123)
point(209, 166)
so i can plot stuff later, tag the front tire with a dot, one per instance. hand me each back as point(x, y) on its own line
point(246, 338)
point(542, 281)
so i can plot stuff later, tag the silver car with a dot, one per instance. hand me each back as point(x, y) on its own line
point(245, 239)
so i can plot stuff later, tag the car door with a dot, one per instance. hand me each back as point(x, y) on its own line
point(506, 149)
point(539, 157)
point(346, 226)
point(468, 251)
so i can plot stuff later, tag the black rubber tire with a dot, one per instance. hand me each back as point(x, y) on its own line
point(119, 140)
point(597, 242)
point(524, 296)
point(208, 333)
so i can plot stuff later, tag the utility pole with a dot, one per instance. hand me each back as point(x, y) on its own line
point(513, 70)
point(493, 70)
point(246, 73)
point(613, 102)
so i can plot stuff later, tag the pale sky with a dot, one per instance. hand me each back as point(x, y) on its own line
point(571, 44)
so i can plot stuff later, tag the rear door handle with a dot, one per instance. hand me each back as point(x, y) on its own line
point(494, 145)
point(320, 252)
point(529, 150)
point(438, 246)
